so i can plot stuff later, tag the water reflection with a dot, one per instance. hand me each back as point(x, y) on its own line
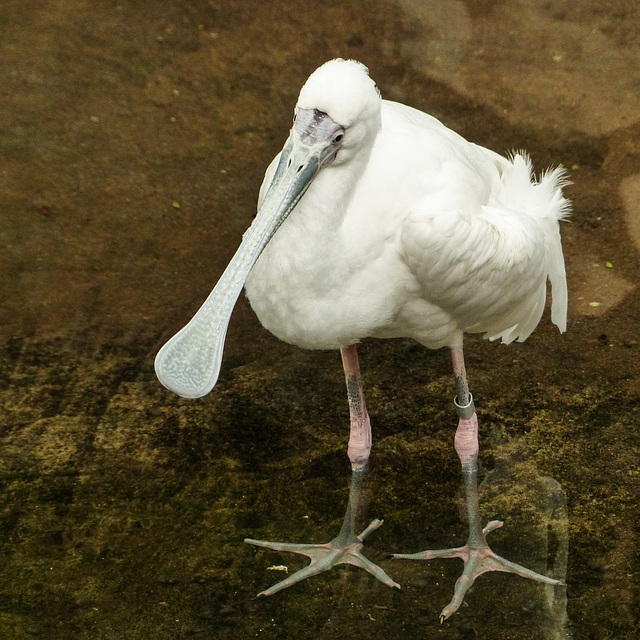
point(128, 507)
point(536, 533)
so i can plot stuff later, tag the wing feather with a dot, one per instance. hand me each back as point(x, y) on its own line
point(487, 266)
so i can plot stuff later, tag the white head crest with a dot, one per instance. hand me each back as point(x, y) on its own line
point(343, 90)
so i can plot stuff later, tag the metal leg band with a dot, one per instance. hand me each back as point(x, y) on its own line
point(465, 412)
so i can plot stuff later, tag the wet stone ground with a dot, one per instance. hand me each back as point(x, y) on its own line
point(134, 138)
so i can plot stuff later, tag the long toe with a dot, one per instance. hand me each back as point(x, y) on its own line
point(358, 560)
point(310, 570)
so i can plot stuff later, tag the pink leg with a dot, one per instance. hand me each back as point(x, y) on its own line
point(360, 429)
point(476, 554)
point(467, 448)
point(346, 547)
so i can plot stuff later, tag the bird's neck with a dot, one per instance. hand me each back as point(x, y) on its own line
point(332, 190)
point(315, 223)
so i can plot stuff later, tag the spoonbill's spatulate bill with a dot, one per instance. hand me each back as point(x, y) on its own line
point(375, 220)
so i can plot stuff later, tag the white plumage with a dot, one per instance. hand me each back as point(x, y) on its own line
point(376, 220)
point(434, 237)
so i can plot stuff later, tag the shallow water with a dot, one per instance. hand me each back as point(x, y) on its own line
point(134, 141)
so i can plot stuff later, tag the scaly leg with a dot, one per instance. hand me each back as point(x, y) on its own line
point(346, 547)
point(476, 554)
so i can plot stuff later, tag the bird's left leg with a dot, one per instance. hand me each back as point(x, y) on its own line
point(346, 547)
point(476, 554)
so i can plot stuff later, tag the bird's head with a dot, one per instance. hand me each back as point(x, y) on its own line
point(339, 106)
point(336, 120)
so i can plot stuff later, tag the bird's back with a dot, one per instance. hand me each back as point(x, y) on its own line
point(484, 238)
point(439, 237)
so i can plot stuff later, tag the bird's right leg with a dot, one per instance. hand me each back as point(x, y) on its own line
point(346, 547)
point(476, 554)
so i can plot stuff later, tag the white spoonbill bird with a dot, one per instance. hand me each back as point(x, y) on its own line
point(375, 220)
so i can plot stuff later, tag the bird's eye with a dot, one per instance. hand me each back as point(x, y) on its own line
point(338, 138)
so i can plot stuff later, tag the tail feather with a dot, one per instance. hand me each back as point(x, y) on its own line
point(545, 202)
point(552, 182)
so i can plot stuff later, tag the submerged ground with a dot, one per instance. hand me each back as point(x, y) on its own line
point(133, 141)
